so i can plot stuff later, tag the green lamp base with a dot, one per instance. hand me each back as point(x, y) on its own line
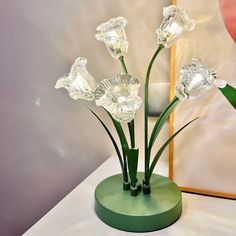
point(142, 213)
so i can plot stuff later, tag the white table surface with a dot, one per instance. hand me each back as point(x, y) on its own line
point(75, 215)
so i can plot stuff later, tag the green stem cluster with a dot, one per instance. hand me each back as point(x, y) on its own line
point(132, 153)
point(129, 158)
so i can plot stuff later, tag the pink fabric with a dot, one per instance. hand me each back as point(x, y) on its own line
point(228, 11)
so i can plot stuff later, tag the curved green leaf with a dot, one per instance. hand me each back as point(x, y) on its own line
point(131, 133)
point(161, 121)
point(112, 139)
point(230, 94)
point(120, 133)
point(160, 151)
point(123, 142)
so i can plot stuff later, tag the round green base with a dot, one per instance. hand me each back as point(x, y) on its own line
point(142, 213)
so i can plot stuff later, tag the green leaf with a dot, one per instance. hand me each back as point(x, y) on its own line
point(132, 155)
point(131, 133)
point(123, 142)
point(112, 139)
point(120, 133)
point(161, 121)
point(230, 94)
point(160, 151)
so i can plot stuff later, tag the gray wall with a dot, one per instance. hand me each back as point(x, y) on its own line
point(49, 142)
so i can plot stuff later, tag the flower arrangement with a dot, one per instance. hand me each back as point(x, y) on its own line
point(119, 95)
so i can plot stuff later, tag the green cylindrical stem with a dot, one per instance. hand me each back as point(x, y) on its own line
point(146, 189)
point(134, 191)
point(125, 169)
point(131, 123)
point(147, 156)
point(126, 186)
point(123, 64)
point(132, 139)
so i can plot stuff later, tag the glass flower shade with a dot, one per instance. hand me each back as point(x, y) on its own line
point(119, 96)
point(195, 80)
point(112, 33)
point(79, 83)
point(175, 23)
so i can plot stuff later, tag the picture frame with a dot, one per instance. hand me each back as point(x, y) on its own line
point(217, 174)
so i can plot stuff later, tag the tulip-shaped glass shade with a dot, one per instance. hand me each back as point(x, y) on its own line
point(195, 79)
point(79, 83)
point(119, 96)
point(175, 23)
point(112, 33)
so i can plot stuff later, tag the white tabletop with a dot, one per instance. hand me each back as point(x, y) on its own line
point(75, 215)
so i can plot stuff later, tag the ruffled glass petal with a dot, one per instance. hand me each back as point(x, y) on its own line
point(119, 96)
point(112, 33)
point(79, 83)
point(195, 79)
point(175, 23)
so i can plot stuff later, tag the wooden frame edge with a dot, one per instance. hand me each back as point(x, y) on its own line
point(171, 132)
point(171, 119)
point(208, 193)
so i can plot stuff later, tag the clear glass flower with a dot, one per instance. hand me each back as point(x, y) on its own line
point(78, 82)
point(195, 80)
point(119, 96)
point(176, 22)
point(112, 33)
